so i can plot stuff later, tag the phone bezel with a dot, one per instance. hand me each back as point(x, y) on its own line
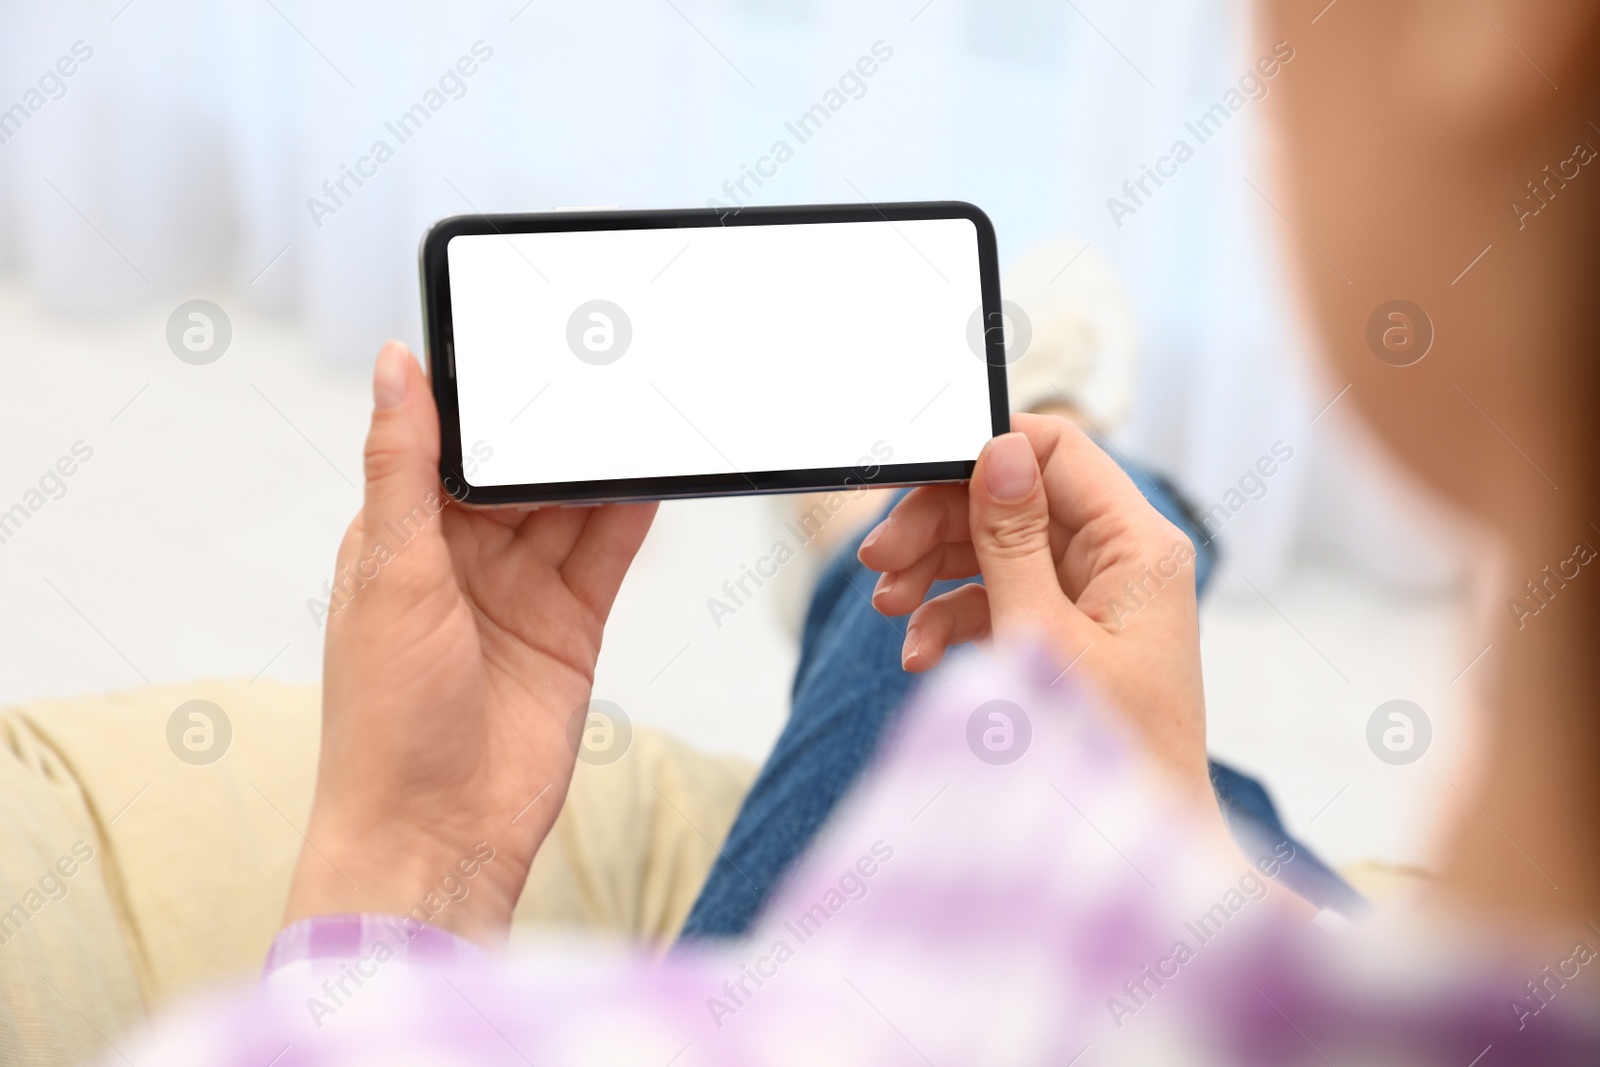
point(440, 344)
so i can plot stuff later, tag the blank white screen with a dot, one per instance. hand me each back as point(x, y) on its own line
point(753, 348)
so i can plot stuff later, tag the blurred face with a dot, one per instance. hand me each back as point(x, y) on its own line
point(1402, 164)
point(1449, 268)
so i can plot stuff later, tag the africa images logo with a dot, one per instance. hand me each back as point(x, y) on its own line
point(999, 732)
point(1399, 732)
point(599, 332)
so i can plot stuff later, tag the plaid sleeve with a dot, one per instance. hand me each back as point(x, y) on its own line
point(324, 939)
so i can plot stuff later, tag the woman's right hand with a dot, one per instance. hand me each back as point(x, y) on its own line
point(1072, 556)
point(456, 669)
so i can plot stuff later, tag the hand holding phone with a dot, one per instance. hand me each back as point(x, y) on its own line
point(460, 656)
point(1061, 536)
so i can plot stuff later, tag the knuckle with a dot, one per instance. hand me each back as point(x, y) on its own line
point(411, 582)
point(1016, 534)
point(382, 457)
point(926, 620)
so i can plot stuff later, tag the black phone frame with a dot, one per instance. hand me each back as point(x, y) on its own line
point(440, 344)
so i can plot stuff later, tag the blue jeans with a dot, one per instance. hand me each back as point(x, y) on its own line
point(848, 689)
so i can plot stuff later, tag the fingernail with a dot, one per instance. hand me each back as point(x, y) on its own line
point(885, 583)
point(911, 648)
point(872, 538)
point(389, 377)
point(1009, 468)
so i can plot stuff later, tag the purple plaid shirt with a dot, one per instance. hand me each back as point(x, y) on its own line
point(1001, 890)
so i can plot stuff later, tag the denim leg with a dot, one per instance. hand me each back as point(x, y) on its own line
point(848, 688)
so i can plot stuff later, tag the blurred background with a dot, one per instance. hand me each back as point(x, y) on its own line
point(194, 151)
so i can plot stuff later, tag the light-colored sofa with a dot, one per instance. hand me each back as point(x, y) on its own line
point(129, 877)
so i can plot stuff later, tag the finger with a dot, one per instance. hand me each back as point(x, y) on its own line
point(1082, 481)
point(899, 592)
point(1071, 459)
point(551, 533)
point(350, 544)
point(603, 552)
point(926, 517)
point(952, 618)
point(1010, 526)
point(402, 452)
point(510, 518)
point(1097, 512)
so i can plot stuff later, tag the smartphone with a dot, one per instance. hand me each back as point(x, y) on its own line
point(589, 356)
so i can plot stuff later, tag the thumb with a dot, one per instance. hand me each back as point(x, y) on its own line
point(1010, 527)
point(402, 451)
